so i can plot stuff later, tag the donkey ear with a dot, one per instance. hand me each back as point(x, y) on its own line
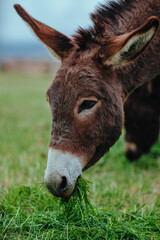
point(125, 48)
point(57, 43)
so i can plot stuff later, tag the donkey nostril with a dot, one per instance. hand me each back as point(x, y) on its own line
point(63, 185)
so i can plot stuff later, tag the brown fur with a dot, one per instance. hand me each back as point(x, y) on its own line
point(84, 73)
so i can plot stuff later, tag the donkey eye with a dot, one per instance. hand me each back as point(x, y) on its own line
point(86, 104)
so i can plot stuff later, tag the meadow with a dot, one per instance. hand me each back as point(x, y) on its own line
point(124, 198)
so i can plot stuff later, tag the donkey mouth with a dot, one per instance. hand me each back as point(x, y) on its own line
point(62, 188)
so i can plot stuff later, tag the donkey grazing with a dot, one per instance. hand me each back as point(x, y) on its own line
point(100, 68)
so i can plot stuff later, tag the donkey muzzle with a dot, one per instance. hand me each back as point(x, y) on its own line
point(62, 172)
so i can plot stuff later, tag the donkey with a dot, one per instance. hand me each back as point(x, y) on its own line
point(100, 67)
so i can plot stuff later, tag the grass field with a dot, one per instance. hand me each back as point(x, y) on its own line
point(125, 196)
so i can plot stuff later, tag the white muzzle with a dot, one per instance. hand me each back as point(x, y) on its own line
point(62, 172)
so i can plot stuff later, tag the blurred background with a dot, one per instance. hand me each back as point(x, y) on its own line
point(20, 49)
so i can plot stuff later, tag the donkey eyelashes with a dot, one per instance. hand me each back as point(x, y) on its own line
point(86, 104)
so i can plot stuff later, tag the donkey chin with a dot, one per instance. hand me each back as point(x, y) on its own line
point(62, 172)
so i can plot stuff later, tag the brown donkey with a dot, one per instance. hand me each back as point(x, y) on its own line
point(100, 67)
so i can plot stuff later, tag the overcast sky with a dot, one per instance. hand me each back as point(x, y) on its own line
point(63, 15)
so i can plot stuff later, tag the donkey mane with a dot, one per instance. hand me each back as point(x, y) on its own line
point(105, 18)
point(112, 19)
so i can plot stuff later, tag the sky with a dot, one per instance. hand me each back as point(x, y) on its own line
point(63, 15)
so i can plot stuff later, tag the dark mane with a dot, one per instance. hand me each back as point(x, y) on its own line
point(105, 15)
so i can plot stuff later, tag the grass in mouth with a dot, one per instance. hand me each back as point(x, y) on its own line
point(78, 206)
point(32, 213)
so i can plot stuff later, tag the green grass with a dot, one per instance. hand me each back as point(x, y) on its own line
point(124, 198)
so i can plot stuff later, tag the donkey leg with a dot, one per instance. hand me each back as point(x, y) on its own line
point(142, 111)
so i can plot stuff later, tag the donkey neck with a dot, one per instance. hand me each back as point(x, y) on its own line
point(145, 68)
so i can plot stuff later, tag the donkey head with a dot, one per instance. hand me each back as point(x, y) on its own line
point(86, 99)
